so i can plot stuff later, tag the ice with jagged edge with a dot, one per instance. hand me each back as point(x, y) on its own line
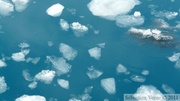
point(33, 85)
point(26, 75)
point(59, 64)
point(3, 85)
point(174, 57)
point(2, 63)
point(64, 25)
point(63, 83)
point(109, 85)
point(95, 53)
point(67, 51)
point(110, 9)
point(148, 90)
point(20, 5)
point(138, 78)
point(151, 33)
point(6, 8)
point(79, 29)
point(45, 76)
point(168, 89)
point(93, 73)
point(31, 98)
point(55, 10)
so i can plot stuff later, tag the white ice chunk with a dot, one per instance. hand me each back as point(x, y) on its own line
point(109, 85)
point(2, 64)
point(64, 25)
point(18, 57)
point(168, 89)
point(6, 8)
point(55, 10)
point(101, 45)
point(20, 5)
point(31, 98)
point(174, 57)
point(3, 85)
point(137, 14)
point(137, 78)
point(67, 51)
point(146, 92)
point(121, 69)
point(145, 72)
point(33, 85)
point(24, 45)
point(161, 23)
point(129, 20)
point(63, 83)
point(45, 76)
point(148, 33)
point(26, 75)
point(93, 73)
point(59, 64)
point(79, 29)
point(109, 9)
point(95, 53)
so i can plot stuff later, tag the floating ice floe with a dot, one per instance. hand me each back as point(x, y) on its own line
point(63, 83)
point(55, 10)
point(121, 69)
point(93, 73)
point(137, 78)
point(3, 85)
point(151, 33)
point(177, 64)
point(110, 9)
point(137, 13)
point(129, 20)
point(45, 76)
point(33, 85)
point(31, 98)
point(2, 64)
point(147, 92)
point(6, 8)
point(109, 85)
point(101, 45)
point(161, 23)
point(174, 57)
point(33, 60)
point(95, 52)
point(20, 5)
point(145, 72)
point(168, 89)
point(18, 57)
point(24, 45)
point(79, 29)
point(59, 64)
point(165, 14)
point(64, 25)
point(26, 75)
point(67, 51)
point(50, 43)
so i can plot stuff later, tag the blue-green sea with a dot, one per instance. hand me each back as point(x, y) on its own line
point(36, 28)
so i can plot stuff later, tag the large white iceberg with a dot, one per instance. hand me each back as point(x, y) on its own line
point(147, 92)
point(110, 9)
point(3, 85)
point(20, 5)
point(109, 85)
point(31, 98)
point(45, 76)
point(79, 29)
point(93, 73)
point(59, 64)
point(95, 52)
point(6, 8)
point(64, 24)
point(55, 10)
point(63, 83)
point(67, 51)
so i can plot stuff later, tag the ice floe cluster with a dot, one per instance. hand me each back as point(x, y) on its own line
point(151, 33)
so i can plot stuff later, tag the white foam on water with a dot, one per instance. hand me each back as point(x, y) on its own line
point(55, 10)
point(31, 98)
point(45, 76)
point(109, 85)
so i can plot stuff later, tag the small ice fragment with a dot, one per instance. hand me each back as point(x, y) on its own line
point(168, 89)
point(3, 85)
point(27, 76)
point(93, 73)
point(121, 69)
point(95, 53)
point(101, 45)
point(137, 78)
point(2, 64)
point(177, 64)
point(64, 24)
point(137, 14)
point(18, 57)
point(63, 83)
point(24, 45)
point(33, 60)
point(79, 29)
point(145, 72)
point(45, 76)
point(33, 85)
point(174, 57)
point(55, 10)
point(109, 85)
